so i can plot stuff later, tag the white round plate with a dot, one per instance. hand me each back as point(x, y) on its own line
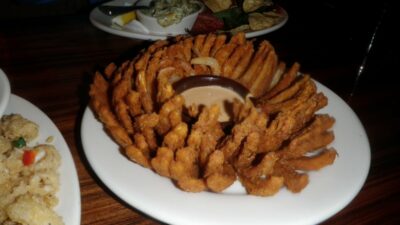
point(103, 22)
point(329, 190)
point(69, 206)
point(4, 92)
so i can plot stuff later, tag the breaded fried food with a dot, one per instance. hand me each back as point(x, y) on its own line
point(137, 155)
point(264, 168)
point(161, 162)
point(291, 97)
point(185, 164)
point(311, 138)
point(230, 64)
point(205, 133)
point(316, 162)
point(176, 137)
point(271, 141)
point(175, 103)
point(293, 180)
point(263, 81)
point(263, 186)
point(288, 122)
point(219, 174)
point(256, 64)
point(283, 83)
point(207, 61)
point(101, 105)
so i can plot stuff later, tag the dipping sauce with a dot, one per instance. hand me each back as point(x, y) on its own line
point(212, 94)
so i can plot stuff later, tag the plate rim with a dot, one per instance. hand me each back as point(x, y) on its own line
point(5, 92)
point(168, 218)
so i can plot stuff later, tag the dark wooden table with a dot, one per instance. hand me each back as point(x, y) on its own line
point(50, 62)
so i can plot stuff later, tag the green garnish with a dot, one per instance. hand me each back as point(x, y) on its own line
point(232, 17)
point(19, 143)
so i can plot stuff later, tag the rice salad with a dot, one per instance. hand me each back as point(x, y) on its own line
point(29, 178)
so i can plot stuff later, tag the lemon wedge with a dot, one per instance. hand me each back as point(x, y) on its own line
point(124, 18)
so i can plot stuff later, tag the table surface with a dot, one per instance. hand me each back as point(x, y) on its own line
point(50, 62)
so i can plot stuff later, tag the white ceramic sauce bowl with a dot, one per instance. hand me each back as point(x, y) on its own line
point(154, 27)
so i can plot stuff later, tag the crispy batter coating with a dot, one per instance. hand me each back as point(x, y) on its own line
point(256, 64)
point(263, 186)
point(284, 83)
point(311, 138)
point(230, 64)
point(132, 99)
point(165, 89)
point(208, 43)
point(207, 61)
point(218, 43)
point(264, 168)
point(161, 162)
point(219, 174)
point(300, 94)
point(243, 64)
point(249, 151)
point(316, 162)
point(176, 138)
point(224, 52)
point(109, 70)
point(248, 120)
point(175, 103)
point(185, 164)
point(263, 81)
point(205, 133)
point(293, 180)
point(288, 122)
point(101, 105)
point(275, 138)
point(145, 97)
point(137, 155)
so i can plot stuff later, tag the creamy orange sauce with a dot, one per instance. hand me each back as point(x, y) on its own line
point(213, 94)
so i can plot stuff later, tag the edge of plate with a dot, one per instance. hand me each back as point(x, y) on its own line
point(5, 91)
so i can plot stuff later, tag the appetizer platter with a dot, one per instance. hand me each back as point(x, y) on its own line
point(255, 18)
point(283, 147)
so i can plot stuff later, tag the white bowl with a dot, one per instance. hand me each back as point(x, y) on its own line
point(180, 28)
point(5, 92)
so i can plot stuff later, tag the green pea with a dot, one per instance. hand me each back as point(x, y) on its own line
point(19, 143)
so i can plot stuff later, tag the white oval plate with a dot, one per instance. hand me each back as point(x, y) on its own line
point(103, 22)
point(5, 92)
point(69, 206)
point(329, 190)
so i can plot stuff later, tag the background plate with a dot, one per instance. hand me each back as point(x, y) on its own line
point(103, 22)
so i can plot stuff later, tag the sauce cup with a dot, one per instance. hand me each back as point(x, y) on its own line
point(206, 90)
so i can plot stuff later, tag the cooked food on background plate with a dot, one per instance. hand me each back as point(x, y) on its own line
point(29, 179)
point(238, 16)
point(170, 12)
point(276, 136)
point(218, 15)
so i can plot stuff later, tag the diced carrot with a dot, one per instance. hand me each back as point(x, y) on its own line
point(29, 157)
